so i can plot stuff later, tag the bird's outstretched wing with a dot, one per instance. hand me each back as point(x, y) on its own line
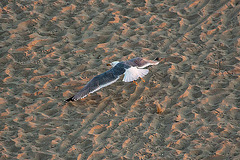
point(141, 62)
point(133, 73)
point(136, 70)
point(95, 84)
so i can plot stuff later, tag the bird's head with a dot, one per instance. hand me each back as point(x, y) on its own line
point(113, 63)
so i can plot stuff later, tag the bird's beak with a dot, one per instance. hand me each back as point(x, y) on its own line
point(108, 64)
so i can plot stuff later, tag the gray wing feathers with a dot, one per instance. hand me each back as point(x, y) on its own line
point(91, 86)
point(140, 62)
point(95, 84)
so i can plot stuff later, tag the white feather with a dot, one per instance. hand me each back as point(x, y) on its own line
point(133, 73)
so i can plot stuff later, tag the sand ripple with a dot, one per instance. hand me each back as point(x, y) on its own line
point(188, 108)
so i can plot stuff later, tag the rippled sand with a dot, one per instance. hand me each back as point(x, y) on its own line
point(187, 108)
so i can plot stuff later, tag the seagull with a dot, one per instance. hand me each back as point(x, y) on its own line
point(132, 70)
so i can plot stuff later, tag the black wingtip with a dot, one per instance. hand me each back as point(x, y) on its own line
point(160, 59)
point(70, 99)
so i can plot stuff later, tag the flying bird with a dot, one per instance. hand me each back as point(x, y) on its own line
point(132, 70)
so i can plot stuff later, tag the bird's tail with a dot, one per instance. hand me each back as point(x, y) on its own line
point(70, 99)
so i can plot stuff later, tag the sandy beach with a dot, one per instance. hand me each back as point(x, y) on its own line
point(187, 108)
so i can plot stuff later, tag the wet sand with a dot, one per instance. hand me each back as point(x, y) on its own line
point(187, 108)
